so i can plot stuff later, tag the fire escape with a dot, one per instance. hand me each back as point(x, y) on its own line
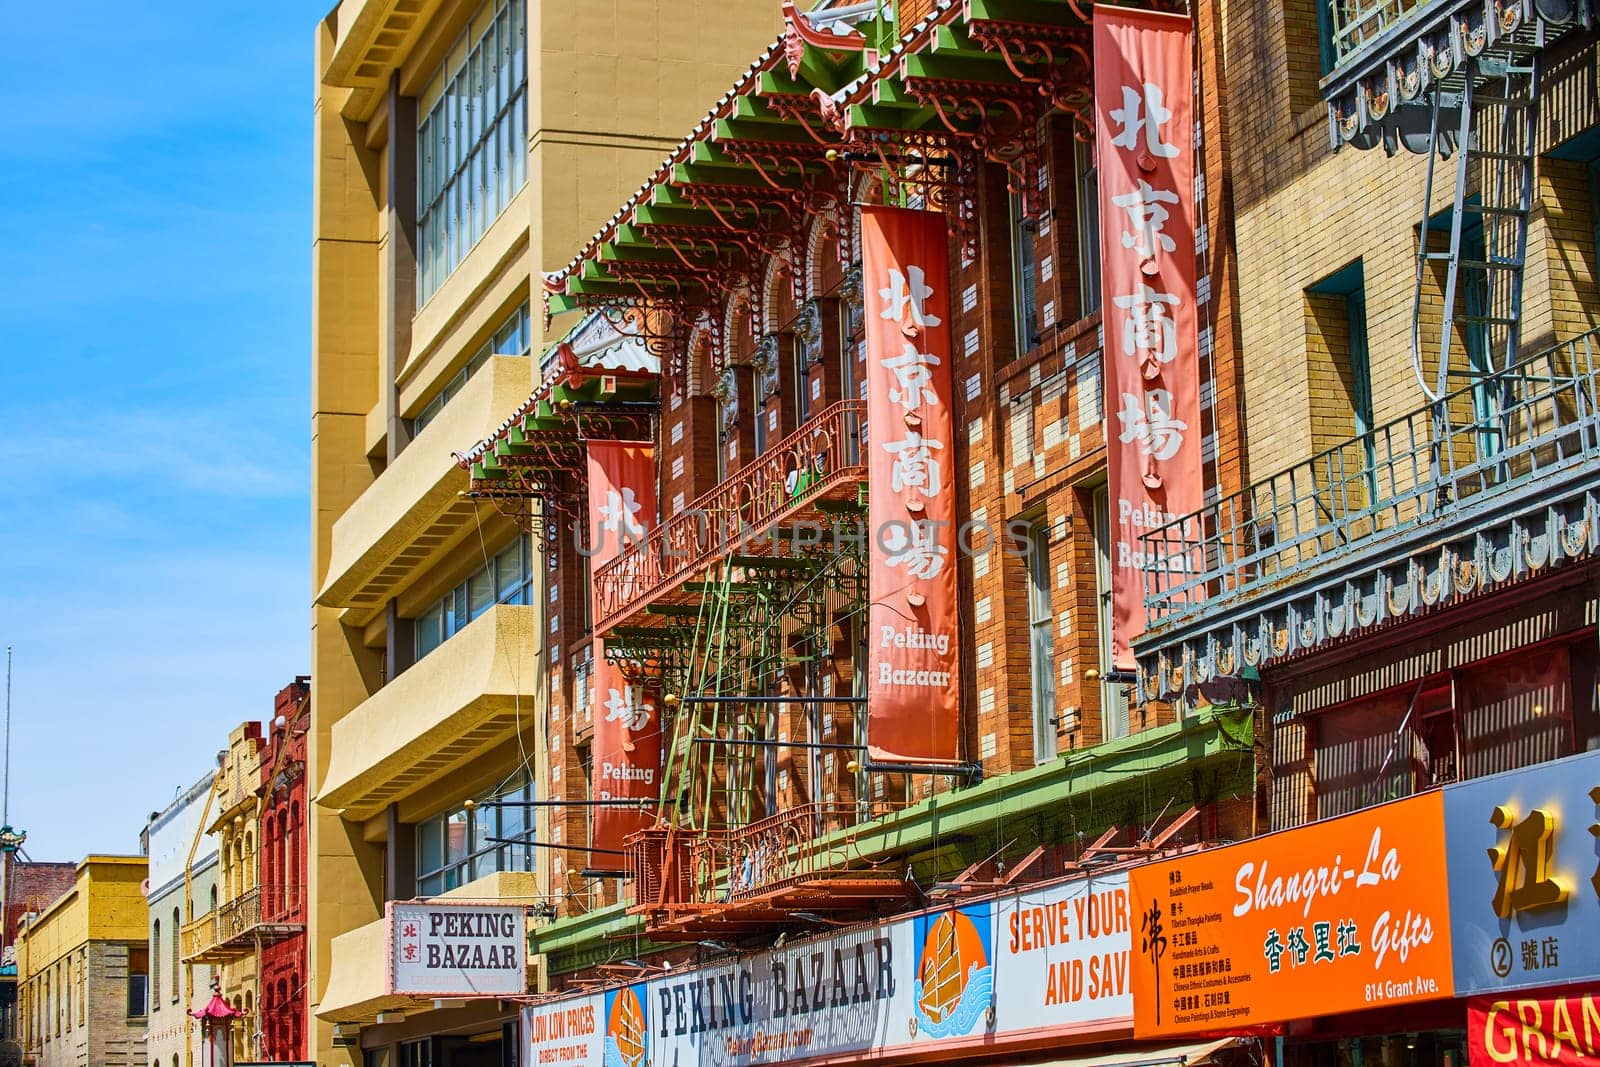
point(744, 607)
point(1490, 480)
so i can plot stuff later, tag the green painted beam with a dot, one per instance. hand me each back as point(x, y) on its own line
point(743, 177)
point(665, 213)
point(762, 132)
point(956, 68)
point(873, 117)
point(953, 41)
point(561, 303)
point(1052, 13)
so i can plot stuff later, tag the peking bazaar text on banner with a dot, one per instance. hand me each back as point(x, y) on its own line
point(1535, 1030)
point(913, 684)
point(1145, 154)
point(627, 727)
point(1337, 916)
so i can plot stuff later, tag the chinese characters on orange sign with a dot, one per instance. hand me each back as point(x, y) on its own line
point(1345, 914)
point(1145, 154)
point(627, 729)
point(914, 680)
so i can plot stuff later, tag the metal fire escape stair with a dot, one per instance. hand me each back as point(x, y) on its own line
point(1481, 315)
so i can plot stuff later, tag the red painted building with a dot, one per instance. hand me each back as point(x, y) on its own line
point(283, 877)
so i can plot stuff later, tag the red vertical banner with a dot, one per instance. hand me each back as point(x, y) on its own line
point(627, 725)
point(914, 682)
point(1144, 145)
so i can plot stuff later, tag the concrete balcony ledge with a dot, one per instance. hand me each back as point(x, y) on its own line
point(450, 707)
point(358, 977)
point(357, 987)
point(414, 511)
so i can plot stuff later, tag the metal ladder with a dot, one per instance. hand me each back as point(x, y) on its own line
point(1498, 126)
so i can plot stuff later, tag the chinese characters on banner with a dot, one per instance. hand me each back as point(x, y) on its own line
point(627, 729)
point(1341, 915)
point(914, 685)
point(1145, 152)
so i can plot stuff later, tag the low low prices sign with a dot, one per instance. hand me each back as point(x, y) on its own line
point(457, 950)
point(566, 1033)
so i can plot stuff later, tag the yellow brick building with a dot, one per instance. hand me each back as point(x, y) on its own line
point(461, 149)
point(82, 968)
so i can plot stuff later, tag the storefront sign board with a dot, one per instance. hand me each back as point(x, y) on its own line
point(1336, 916)
point(455, 950)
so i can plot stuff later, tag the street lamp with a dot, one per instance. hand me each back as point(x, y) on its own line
point(216, 1028)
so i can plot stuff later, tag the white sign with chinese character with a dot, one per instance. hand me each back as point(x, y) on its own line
point(457, 950)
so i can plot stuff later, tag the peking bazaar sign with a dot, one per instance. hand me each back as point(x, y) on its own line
point(1535, 1030)
point(451, 950)
point(913, 683)
point(627, 727)
point(1145, 153)
point(1337, 916)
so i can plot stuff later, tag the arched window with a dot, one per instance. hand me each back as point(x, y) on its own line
point(177, 960)
point(213, 898)
point(155, 963)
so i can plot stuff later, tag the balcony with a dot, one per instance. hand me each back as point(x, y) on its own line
point(1497, 483)
point(415, 512)
point(1387, 56)
point(691, 884)
point(449, 708)
point(809, 476)
point(240, 926)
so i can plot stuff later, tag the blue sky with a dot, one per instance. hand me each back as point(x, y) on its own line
point(155, 165)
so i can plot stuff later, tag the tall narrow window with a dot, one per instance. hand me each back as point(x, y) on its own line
point(177, 961)
point(1024, 278)
point(766, 383)
point(1113, 697)
point(138, 979)
point(1086, 182)
point(1041, 642)
point(155, 954)
point(1341, 376)
point(471, 140)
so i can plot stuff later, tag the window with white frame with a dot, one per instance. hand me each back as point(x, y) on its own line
point(505, 579)
point(1041, 642)
point(1087, 180)
point(1113, 696)
point(513, 337)
point(471, 140)
point(1024, 277)
point(455, 847)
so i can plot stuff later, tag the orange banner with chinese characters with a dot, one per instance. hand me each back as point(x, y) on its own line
point(1144, 149)
point(627, 725)
point(1336, 916)
point(1538, 1030)
point(914, 681)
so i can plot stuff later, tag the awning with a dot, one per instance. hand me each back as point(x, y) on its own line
point(1176, 1055)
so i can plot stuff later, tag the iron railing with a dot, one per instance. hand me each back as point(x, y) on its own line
point(1535, 420)
point(235, 921)
point(802, 466)
point(1355, 23)
point(678, 867)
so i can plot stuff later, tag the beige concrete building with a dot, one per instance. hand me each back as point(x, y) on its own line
point(461, 149)
point(83, 969)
